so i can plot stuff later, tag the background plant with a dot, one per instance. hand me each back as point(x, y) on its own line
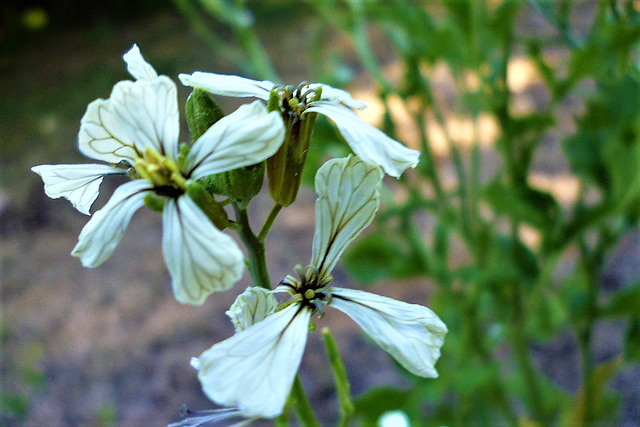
point(534, 259)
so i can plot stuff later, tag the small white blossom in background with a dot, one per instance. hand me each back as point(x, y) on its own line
point(366, 141)
point(395, 418)
point(254, 369)
point(138, 127)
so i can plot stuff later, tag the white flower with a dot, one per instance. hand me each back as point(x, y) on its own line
point(366, 141)
point(138, 127)
point(255, 368)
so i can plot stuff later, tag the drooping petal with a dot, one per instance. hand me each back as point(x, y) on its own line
point(411, 333)
point(137, 66)
point(338, 96)
point(80, 184)
point(200, 258)
point(348, 198)
point(138, 115)
point(245, 137)
point(251, 306)
point(368, 142)
point(254, 369)
point(99, 238)
point(228, 85)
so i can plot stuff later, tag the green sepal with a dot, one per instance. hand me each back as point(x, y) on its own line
point(154, 202)
point(239, 184)
point(213, 209)
point(284, 168)
point(202, 112)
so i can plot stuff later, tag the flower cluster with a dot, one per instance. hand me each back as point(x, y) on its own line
point(255, 368)
point(135, 132)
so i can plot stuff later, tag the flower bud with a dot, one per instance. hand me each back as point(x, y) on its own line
point(239, 184)
point(202, 112)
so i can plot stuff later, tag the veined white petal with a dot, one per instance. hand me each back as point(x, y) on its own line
point(228, 85)
point(368, 142)
point(137, 66)
point(338, 96)
point(80, 184)
point(245, 137)
point(229, 417)
point(147, 112)
point(411, 333)
point(251, 306)
point(137, 115)
point(254, 369)
point(348, 198)
point(99, 238)
point(100, 135)
point(200, 258)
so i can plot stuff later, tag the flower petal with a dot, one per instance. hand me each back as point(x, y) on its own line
point(80, 184)
point(368, 142)
point(228, 85)
point(348, 199)
point(254, 369)
point(411, 333)
point(138, 115)
point(137, 66)
point(251, 306)
point(338, 96)
point(245, 137)
point(99, 238)
point(200, 258)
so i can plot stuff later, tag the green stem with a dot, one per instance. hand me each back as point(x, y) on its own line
point(269, 222)
point(301, 405)
point(340, 378)
point(255, 248)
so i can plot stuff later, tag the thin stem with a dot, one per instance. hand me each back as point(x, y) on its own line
point(255, 248)
point(339, 377)
point(301, 405)
point(262, 235)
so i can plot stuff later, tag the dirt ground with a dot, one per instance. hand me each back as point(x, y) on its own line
point(111, 343)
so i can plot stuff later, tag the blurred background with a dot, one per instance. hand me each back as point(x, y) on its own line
point(111, 346)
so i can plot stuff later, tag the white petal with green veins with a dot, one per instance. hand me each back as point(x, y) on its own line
point(100, 236)
point(137, 66)
point(348, 198)
point(411, 333)
point(245, 137)
point(250, 307)
point(228, 85)
point(254, 369)
point(80, 184)
point(368, 142)
point(200, 258)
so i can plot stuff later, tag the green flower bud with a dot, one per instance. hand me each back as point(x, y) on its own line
point(202, 112)
point(285, 167)
point(205, 201)
point(238, 184)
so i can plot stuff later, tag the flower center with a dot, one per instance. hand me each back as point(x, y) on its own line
point(162, 172)
point(310, 288)
point(293, 101)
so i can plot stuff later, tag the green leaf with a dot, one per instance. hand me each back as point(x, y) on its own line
point(632, 341)
point(625, 302)
point(525, 204)
point(378, 256)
